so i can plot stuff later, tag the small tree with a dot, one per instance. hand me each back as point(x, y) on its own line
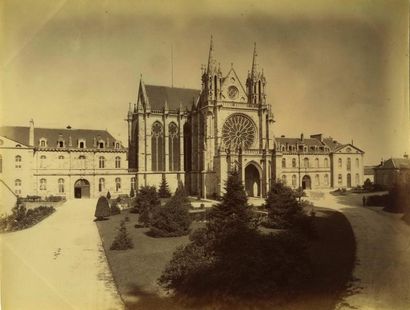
point(108, 195)
point(103, 208)
point(146, 203)
point(122, 241)
point(173, 219)
point(283, 208)
point(163, 190)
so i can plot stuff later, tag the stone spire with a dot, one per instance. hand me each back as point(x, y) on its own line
point(254, 70)
point(211, 60)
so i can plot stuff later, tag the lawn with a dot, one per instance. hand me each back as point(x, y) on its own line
point(135, 271)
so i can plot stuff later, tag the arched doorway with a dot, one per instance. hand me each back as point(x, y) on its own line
point(252, 181)
point(349, 180)
point(82, 189)
point(306, 182)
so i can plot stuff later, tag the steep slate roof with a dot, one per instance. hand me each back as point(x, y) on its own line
point(332, 144)
point(21, 134)
point(395, 163)
point(157, 95)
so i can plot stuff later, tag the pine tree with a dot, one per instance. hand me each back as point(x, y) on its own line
point(122, 241)
point(146, 203)
point(233, 211)
point(163, 191)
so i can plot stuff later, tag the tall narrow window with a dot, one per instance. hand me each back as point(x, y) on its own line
point(283, 162)
point(317, 162)
point(101, 184)
point(133, 183)
point(294, 180)
point(173, 147)
point(293, 162)
point(317, 180)
point(157, 147)
point(357, 179)
point(339, 161)
point(117, 184)
point(61, 186)
point(326, 179)
point(101, 162)
point(18, 161)
point(357, 163)
point(117, 162)
point(349, 164)
point(284, 181)
point(61, 161)
point(17, 187)
point(43, 184)
point(306, 162)
point(326, 163)
point(339, 179)
point(42, 161)
point(81, 159)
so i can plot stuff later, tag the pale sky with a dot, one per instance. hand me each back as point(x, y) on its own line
point(334, 67)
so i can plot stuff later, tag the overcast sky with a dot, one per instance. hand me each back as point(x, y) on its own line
point(334, 67)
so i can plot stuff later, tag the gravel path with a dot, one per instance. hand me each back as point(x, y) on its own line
point(383, 254)
point(58, 264)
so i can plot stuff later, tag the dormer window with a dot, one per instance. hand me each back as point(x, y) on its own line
point(81, 144)
point(101, 144)
point(43, 142)
point(60, 141)
point(117, 145)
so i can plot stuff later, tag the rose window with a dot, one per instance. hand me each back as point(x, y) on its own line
point(238, 131)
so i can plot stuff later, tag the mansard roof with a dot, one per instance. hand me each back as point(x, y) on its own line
point(174, 96)
point(52, 135)
point(295, 141)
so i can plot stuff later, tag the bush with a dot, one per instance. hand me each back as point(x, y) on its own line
point(398, 200)
point(145, 204)
point(33, 198)
point(173, 219)
point(122, 241)
point(102, 209)
point(22, 218)
point(132, 192)
point(108, 195)
point(368, 185)
point(55, 198)
point(115, 209)
point(284, 211)
point(377, 200)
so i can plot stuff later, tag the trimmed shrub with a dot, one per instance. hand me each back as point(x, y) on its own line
point(122, 241)
point(108, 195)
point(115, 209)
point(102, 209)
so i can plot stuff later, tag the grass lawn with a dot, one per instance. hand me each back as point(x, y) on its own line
point(135, 271)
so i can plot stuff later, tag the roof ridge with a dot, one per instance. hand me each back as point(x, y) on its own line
point(172, 87)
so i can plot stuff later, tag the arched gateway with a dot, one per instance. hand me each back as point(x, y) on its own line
point(306, 182)
point(82, 189)
point(252, 181)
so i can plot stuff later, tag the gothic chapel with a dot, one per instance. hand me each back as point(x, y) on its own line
point(197, 136)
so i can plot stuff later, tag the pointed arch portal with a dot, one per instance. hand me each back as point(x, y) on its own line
point(252, 181)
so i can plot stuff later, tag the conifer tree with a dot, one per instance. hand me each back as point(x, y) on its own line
point(122, 241)
point(163, 191)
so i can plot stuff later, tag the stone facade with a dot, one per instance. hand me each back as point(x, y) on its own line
point(75, 163)
point(228, 125)
point(392, 171)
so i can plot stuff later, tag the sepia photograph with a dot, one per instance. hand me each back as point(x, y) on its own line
point(204, 155)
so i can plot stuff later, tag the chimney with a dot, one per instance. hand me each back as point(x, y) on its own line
point(31, 133)
point(301, 137)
